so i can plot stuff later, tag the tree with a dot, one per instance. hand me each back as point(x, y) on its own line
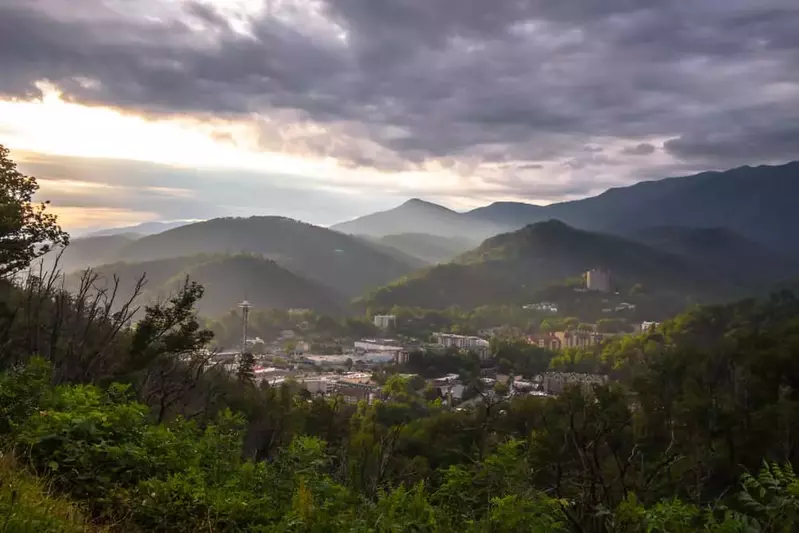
point(27, 231)
point(246, 370)
point(348, 363)
point(169, 350)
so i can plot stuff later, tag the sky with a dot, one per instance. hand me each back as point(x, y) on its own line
point(136, 110)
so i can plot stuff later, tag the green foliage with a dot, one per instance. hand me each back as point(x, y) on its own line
point(612, 325)
point(148, 436)
point(26, 506)
point(582, 360)
point(435, 364)
point(22, 391)
point(772, 498)
point(92, 444)
point(519, 356)
point(27, 230)
point(170, 330)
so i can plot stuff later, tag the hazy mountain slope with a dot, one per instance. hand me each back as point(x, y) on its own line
point(227, 279)
point(418, 216)
point(145, 228)
point(345, 263)
point(722, 249)
point(84, 252)
point(511, 267)
point(413, 260)
point(757, 202)
point(509, 214)
point(432, 249)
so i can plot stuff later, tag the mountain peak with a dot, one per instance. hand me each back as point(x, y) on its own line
point(419, 216)
point(419, 203)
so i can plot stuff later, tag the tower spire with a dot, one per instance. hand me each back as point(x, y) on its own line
point(245, 316)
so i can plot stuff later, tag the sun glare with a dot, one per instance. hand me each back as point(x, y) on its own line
point(52, 125)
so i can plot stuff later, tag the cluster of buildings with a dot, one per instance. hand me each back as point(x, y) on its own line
point(466, 343)
point(314, 373)
point(351, 387)
point(560, 340)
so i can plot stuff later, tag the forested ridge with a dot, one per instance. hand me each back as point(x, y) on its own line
point(112, 425)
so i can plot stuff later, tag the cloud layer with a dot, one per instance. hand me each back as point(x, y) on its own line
point(541, 99)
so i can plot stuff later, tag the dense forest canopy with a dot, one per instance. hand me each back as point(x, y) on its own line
point(109, 424)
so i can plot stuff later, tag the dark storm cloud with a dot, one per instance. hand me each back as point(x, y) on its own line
point(393, 84)
point(740, 145)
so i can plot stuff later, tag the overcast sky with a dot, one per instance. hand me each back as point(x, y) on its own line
point(134, 110)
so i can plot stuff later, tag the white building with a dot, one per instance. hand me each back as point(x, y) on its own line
point(384, 322)
point(649, 326)
point(319, 385)
point(546, 307)
point(597, 279)
point(375, 349)
point(463, 342)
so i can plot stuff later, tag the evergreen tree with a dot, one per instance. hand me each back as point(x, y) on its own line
point(246, 371)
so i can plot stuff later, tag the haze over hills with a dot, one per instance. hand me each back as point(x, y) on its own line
point(724, 250)
point(756, 202)
point(715, 232)
point(512, 267)
point(418, 216)
point(345, 263)
point(432, 249)
point(145, 228)
point(227, 279)
point(509, 214)
point(400, 255)
point(84, 252)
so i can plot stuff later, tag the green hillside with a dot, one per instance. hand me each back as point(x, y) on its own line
point(432, 249)
point(512, 267)
point(724, 250)
point(227, 281)
point(344, 263)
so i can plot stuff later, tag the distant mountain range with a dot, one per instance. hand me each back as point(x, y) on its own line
point(756, 202)
point(512, 267)
point(227, 279)
point(145, 228)
point(420, 217)
point(710, 235)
